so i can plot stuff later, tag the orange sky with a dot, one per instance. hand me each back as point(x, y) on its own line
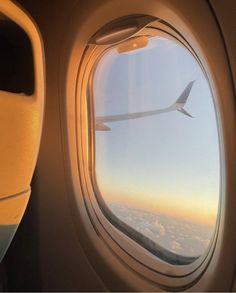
point(192, 210)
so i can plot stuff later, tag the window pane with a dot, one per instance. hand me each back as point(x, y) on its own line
point(156, 145)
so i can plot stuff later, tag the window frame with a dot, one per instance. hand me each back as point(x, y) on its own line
point(136, 257)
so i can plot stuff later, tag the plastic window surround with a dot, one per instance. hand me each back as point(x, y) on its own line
point(138, 258)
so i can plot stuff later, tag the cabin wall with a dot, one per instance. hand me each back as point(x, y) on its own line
point(46, 253)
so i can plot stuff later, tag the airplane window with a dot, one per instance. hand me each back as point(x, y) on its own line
point(156, 162)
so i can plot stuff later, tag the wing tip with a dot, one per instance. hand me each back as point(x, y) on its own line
point(183, 111)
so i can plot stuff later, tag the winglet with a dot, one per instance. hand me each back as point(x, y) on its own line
point(182, 110)
point(184, 96)
point(181, 101)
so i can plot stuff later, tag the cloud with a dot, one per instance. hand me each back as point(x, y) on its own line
point(160, 228)
point(175, 235)
point(175, 246)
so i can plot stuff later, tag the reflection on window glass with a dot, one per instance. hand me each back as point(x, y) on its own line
point(156, 145)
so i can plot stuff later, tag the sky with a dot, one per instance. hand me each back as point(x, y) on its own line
point(168, 163)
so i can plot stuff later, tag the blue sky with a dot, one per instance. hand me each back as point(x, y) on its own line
point(168, 162)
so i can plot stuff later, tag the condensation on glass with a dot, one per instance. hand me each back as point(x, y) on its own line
point(156, 147)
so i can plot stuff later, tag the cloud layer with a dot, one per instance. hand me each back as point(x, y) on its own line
point(179, 236)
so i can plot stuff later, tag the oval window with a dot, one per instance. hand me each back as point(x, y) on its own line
point(156, 165)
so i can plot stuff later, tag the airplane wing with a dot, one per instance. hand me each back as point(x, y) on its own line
point(178, 105)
